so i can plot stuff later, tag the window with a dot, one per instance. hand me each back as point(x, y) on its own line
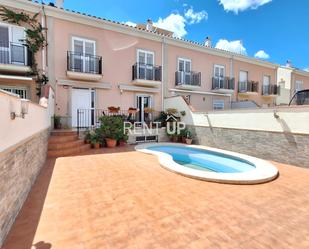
point(298, 85)
point(218, 104)
point(266, 80)
point(84, 59)
point(243, 79)
point(184, 67)
point(21, 91)
point(219, 74)
point(12, 50)
point(145, 61)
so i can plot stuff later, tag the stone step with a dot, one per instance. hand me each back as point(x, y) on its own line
point(69, 151)
point(62, 139)
point(63, 133)
point(65, 145)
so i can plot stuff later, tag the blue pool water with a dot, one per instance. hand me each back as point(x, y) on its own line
point(205, 160)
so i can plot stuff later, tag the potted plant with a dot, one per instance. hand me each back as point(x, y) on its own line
point(183, 135)
point(87, 136)
point(123, 140)
point(57, 122)
point(112, 129)
point(189, 137)
point(113, 109)
point(132, 110)
point(95, 141)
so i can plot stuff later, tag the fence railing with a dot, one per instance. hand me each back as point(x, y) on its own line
point(90, 118)
point(270, 90)
point(142, 71)
point(187, 78)
point(15, 54)
point(223, 83)
point(84, 63)
point(249, 86)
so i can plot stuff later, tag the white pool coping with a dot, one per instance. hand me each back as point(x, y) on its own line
point(264, 171)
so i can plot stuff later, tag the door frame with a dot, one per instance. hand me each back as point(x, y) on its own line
point(137, 95)
point(92, 113)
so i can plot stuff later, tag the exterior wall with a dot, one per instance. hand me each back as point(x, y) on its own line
point(304, 79)
point(119, 54)
point(23, 148)
point(255, 73)
point(281, 147)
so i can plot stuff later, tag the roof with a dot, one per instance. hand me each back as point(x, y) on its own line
point(188, 42)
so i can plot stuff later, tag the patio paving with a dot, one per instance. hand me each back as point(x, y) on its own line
point(119, 198)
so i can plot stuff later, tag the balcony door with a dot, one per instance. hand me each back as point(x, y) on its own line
point(84, 59)
point(145, 62)
point(243, 81)
point(12, 49)
point(266, 83)
point(184, 67)
point(219, 74)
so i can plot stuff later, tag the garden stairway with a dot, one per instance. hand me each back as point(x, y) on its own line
point(65, 143)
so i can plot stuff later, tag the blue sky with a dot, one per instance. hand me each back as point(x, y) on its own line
point(275, 30)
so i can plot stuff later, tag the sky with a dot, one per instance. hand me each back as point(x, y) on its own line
point(272, 30)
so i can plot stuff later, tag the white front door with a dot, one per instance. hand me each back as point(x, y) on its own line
point(81, 100)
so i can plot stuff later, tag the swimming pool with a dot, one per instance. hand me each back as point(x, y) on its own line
point(211, 164)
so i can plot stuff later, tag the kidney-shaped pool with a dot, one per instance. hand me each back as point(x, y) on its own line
point(211, 164)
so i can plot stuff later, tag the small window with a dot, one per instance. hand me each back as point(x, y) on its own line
point(218, 104)
point(21, 91)
point(298, 85)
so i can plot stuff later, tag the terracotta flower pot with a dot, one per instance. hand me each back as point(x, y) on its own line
point(188, 140)
point(111, 143)
point(174, 139)
point(97, 146)
point(122, 143)
point(183, 140)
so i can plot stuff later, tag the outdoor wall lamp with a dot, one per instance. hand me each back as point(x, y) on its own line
point(24, 105)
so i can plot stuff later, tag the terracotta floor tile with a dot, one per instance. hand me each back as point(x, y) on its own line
point(120, 198)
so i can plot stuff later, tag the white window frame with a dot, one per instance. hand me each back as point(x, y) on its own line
point(298, 85)
point(84, 40)
point(145, 66)
point(146, 52)
point(13, 89)
point(184, 73)
point(221, 79)
point(10, 30)
point(266, 76)
point(218, 104)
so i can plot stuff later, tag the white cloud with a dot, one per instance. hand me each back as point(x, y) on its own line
point(174, 22)
point(261, 55)
point(232, 46)
point(241, 5)
point(306, 69)
point(133, 24)
point(195, 17)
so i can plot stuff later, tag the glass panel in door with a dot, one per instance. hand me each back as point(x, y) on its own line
point(149, 66)
point(141, 65)
point(18, 51)
point(77, 55)
point(142, 103)
point(243, 79)
point(187, 71)
point(4, 45)
point(89, 59)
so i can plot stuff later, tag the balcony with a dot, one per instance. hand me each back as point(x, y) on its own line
point(188, 80)
point(270, 90)
point(15, 58)
point(223, 85)
point(248, 87)
point(146, 75)
point(84, 66)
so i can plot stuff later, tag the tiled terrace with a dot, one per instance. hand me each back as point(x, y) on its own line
point(124, 199)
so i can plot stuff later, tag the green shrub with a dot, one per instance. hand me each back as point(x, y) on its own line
point(112, 127)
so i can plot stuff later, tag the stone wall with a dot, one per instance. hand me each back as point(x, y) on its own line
point(282, 147)
point(19, 167)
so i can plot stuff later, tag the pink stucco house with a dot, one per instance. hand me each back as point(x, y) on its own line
point(93, 63)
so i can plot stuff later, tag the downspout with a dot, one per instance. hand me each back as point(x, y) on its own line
point(232, 76)
point(162, 73)
point(44, 51)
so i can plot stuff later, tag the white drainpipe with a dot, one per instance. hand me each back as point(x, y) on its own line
point(162, 73)
point(44, 49)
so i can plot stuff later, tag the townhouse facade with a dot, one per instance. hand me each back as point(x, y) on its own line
point(93, 64)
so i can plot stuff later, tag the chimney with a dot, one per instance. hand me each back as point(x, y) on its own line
point(59, 3)
point(149, 25)
point(288, 63)
point(208, 42)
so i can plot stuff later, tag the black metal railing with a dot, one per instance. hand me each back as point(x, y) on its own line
point(300, 98)
point(84, 63)
point(270, 90)
point(187, 78)
point(142, 71)
point(90, 118)
point(15, 54)
point(248, 86)
point(223, 83)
